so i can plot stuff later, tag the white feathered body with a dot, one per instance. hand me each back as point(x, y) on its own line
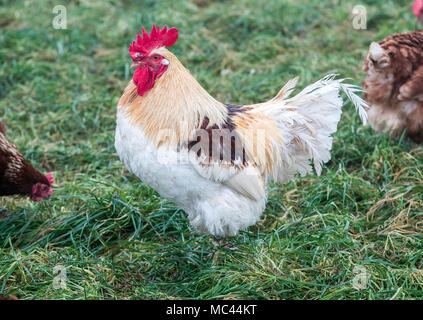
point(222, 199)
point(212, 207)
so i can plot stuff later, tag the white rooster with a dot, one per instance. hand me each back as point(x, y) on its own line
point(212, 159)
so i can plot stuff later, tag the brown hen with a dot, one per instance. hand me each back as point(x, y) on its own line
point(394, 85)
point(18, 176)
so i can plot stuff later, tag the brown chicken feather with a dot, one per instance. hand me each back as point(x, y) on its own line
point(394, 85)
point(17, 175)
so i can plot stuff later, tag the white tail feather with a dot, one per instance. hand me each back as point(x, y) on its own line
point(360, 105)
point(307, 122)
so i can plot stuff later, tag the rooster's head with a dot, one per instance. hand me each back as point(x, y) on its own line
point(145, 56)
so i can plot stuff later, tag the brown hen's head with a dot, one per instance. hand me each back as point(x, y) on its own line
point(42, 189)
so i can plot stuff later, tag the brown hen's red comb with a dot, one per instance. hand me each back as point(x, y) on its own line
point(418, 8)
point(50, 178)
point(157, 38)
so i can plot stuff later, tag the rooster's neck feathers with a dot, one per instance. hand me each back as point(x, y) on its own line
point(175, 107)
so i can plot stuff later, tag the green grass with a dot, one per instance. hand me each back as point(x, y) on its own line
point(118, 239)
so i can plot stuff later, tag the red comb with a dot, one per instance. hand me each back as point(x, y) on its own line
point(157, 38)
point(417, 8)
point(50, 178)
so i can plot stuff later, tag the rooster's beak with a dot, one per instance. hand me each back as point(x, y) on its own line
point(136, 64)
point(133, 64)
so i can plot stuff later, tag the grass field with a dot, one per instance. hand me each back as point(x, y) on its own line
point(117, 239)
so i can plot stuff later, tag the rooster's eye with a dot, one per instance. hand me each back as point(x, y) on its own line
point(155, 57)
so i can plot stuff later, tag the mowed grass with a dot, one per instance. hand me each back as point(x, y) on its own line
point(117, 239)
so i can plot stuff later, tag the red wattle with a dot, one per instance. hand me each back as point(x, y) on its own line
point(144, 79)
